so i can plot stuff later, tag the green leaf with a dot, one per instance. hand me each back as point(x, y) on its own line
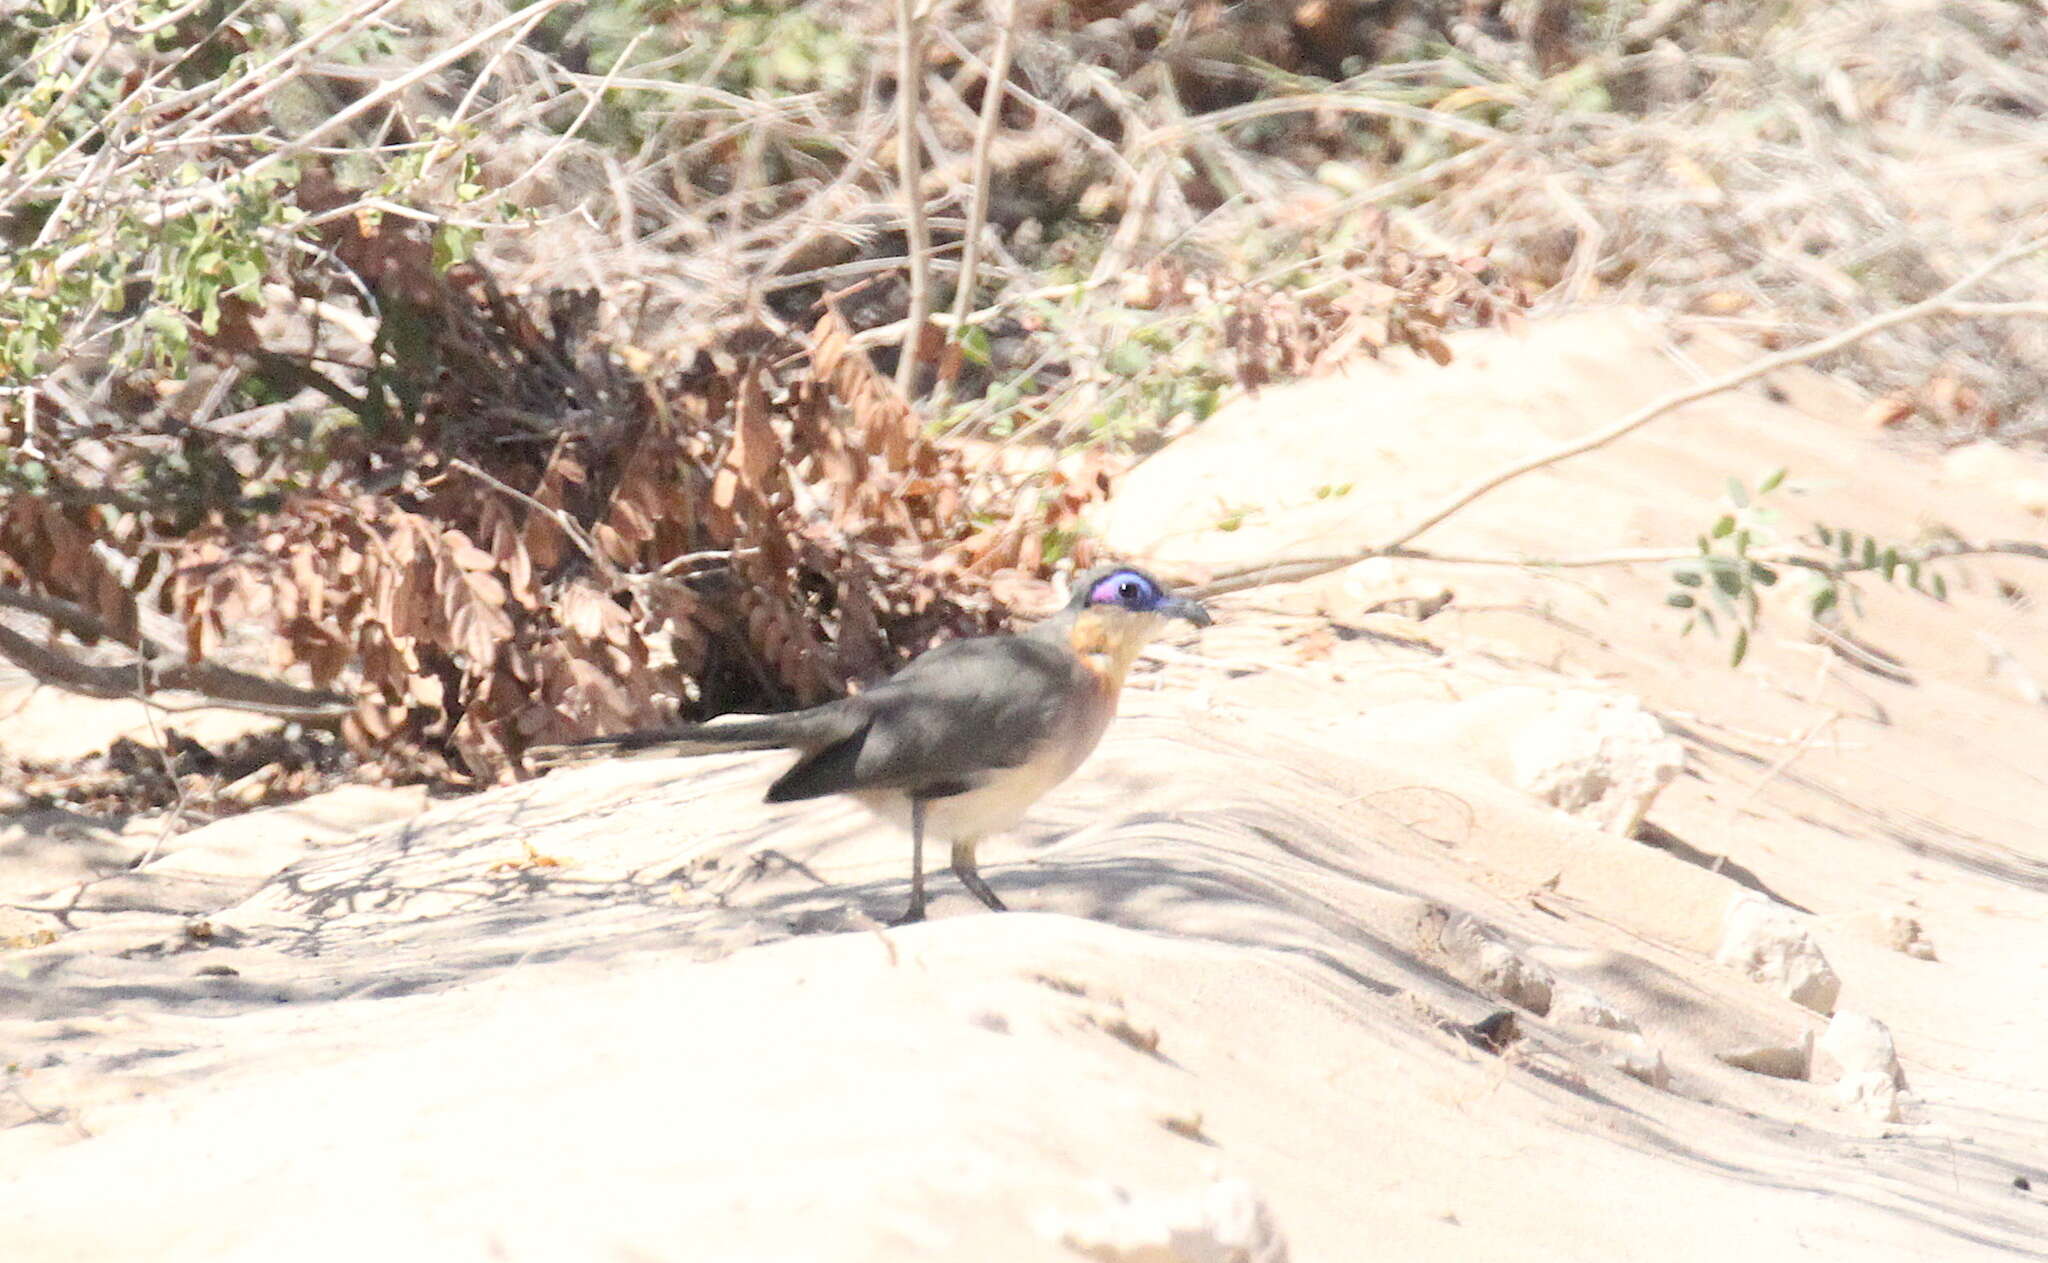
point(1725, 526)
point(1736, 495)
point(1827, 537)
point(1742, 542)
point(452, 245)
point(1913, 575)
point(1741, 647)
point(1888, 563)
point(1728, 579)
point(1771, 481)
point(1128, 359)
point(1940, 586)
point(1687, 578)
point(1870, 552)
point(1761, 575)
point(1824, 600)
point(1679, 600)
point(974, 345)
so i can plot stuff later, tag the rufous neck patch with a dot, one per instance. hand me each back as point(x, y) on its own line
point(1109, 643)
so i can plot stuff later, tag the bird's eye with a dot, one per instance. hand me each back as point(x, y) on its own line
point(1127, 589)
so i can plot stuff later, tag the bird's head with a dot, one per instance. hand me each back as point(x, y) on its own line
point(1116, 610)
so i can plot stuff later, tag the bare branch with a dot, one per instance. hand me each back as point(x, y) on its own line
point(1334, 102)
point(1655, 23)
point(220, 686)
point(569, 526)
point(993, 92)
point(77, 620)
point(909, 85)
point(413, 75)
point(1295, 569)
point(1946, 303)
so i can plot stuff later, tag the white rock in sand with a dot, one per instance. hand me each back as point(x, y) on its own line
point(2000, 470)
point(1767, 941)
point(1576, 1006)
point(1785, 1059)
point(1894, 928)
point(1599, 756)
point(1493, 966)
point(1226, 1222)
point(1596, 755)
point(1856, 1053)
point(1627, 1052)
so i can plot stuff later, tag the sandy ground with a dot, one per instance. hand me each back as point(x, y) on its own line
point(1231, 1018)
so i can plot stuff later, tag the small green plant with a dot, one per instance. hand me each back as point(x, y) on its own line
point(1232, 517)
point(752, 47)
point(1725, 572)
point(1740, 556)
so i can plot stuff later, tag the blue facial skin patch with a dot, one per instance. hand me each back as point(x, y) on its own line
point(1127, 588)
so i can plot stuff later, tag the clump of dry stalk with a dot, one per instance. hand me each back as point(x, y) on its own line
point(1790, 171)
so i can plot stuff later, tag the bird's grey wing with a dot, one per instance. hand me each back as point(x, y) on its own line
point(941, 724)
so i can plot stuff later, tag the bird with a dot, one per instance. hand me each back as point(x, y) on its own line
point(964, 739)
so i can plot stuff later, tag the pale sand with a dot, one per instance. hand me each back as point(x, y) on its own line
point(688, 1042)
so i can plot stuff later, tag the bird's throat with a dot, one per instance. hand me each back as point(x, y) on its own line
point(1107, 649)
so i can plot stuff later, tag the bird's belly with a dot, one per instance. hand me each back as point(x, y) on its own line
point(996, 804)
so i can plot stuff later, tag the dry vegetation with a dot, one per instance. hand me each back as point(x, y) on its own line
point(472, 378)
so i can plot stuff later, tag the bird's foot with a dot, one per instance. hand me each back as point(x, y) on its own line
point(979, 889)
point(970, 877)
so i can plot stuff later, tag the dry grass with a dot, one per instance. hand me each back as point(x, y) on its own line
point(1787, 169)
point(1795, 175)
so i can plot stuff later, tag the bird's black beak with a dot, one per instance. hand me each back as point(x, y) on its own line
point(1181, 607)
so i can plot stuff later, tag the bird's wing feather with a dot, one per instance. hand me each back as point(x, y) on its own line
point(942, 723)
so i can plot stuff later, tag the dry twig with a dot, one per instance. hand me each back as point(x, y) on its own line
point(993, 92)
point(910, 20)
point(220, 685)
point(1945, 303)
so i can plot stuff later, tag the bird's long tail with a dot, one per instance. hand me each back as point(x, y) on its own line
point(749, 732)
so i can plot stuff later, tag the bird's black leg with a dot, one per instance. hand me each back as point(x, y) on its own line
point(916, 912)
point(963, 868)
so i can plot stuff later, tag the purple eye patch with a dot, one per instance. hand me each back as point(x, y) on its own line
point(1105, 592)
point(1126, 588)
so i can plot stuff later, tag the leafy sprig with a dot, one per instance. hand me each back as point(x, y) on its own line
point(1740, 556)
